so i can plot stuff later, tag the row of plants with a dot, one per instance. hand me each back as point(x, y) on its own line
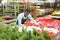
point(56, 13)
point(12, 11)
point(19, 2)
point(13, 2)
point(1, 19)
point(8, 32)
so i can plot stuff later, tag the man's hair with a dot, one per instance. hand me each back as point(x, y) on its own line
point(27, 10)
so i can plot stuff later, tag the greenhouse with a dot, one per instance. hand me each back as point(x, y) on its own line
point(29, 19)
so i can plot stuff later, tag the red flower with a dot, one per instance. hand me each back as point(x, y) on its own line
point(52, 35)
point(39, 32)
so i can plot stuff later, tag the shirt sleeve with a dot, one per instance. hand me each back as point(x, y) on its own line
point(32, 20)
point(19, 18)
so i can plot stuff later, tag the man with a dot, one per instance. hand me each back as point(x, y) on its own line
point(23, 17)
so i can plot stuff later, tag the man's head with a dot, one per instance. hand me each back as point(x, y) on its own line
point(26, 12)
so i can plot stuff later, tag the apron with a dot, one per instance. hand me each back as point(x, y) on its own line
point(17, 22)
point(22, 22)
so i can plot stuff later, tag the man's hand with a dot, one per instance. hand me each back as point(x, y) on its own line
point(37, 24)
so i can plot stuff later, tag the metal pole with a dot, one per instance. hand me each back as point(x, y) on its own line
point(15, 9)
point(3, 9)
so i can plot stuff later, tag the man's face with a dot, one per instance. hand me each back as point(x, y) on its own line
point(26, 13)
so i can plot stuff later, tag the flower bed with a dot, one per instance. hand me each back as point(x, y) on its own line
point(10, 33)
point(30, 31)
point(49, 23)
point(46, 22)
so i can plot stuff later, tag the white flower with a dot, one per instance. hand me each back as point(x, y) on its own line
point(52, 30)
